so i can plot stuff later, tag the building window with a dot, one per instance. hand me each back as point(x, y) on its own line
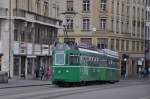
point(69, 39)
point(117, 26)
point(142, 46)
point(117, 7)
point(69, 24)
point(127, 27)
point(102, 43)
point(122, 45)
point(133, 27)
point(102, 24)
point(30, 5)
point(112, 25)
point(54, 10)
point(112, 44)
point(86, 5)
point(117, 44)
point(16, 31)
point(122, 9)
point(38, 6)
point(127, 45)
point(128, 11)
point(122, 27)
point(45, 8)
point(112, 9)
point(23, 36)
point(37, 34)
point(133, 12)
point(70, 5)
point(137, 46)
point(133, 45)
point(87, 41)
point(143, 12)
point(86, 24)
point(103, 5)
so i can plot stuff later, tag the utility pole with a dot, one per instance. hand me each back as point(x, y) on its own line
point(9, 36)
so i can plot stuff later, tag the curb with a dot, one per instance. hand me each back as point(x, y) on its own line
point(23, 86)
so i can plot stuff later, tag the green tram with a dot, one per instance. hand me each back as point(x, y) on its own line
point(73, 64)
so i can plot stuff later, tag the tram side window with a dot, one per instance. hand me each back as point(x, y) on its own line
point(116, 63)
point(73, 60)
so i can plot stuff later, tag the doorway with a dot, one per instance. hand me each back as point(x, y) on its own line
point(23, 63)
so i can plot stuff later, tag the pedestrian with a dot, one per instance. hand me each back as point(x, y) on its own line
point(145, 73)
point(48, 72)
point(42, 72)
point(36, 73)
point(149, 71)
point(140, 72)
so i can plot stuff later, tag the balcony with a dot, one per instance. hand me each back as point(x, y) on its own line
point(23, 14)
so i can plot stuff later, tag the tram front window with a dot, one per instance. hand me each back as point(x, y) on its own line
point(59, 59)
point(73, 60)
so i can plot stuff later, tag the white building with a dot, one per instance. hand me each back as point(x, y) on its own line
point(28, 29)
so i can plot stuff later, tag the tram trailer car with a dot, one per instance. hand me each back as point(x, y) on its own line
point(81, 65)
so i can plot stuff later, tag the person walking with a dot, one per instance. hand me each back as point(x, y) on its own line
point(36, 73)
point(42, 72)
point(149, 72)
point(48, 72)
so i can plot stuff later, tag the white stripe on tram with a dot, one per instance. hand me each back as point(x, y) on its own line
point(87, 67)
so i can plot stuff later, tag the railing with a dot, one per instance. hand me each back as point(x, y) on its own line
point(19, 13)
point(45, 19)
point(3, 11)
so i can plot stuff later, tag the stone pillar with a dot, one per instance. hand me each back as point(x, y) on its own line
point(7, 47)
point(19, 66)
point(26, 67)
point(109, 43)
point(94, 41)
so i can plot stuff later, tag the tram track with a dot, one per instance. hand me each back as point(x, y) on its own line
point(95, 88)
point(59, 92)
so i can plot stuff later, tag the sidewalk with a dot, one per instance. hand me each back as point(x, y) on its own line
point(13, 83)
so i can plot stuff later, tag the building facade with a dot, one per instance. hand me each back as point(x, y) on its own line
point(118, 25)
point(147, 35)
point(28, 29)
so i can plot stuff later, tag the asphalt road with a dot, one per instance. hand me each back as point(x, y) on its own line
point(126, 89)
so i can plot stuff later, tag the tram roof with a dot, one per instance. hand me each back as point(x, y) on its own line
point(90, 51)
point(110, 53)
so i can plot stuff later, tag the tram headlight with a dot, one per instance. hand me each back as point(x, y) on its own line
point(59, 72)
point(67, 71)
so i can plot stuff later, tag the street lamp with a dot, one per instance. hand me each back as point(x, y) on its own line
point(125, 59)
point(9, 37)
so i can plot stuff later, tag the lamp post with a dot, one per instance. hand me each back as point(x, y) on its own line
point(125, 59)
point(126, 74)
point(9, 37)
